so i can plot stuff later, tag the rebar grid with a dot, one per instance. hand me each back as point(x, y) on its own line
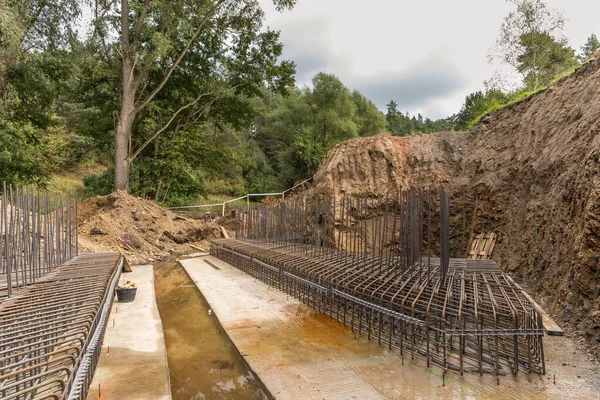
point(48, 332)
point(39, 233)
point(367, 262)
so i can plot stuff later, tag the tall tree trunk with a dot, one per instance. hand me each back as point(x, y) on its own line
point(123, 131)
point(127, 113)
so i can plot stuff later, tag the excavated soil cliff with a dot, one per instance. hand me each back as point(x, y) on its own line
point(529, 172)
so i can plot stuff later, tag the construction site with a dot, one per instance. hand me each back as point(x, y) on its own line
point(453, 265)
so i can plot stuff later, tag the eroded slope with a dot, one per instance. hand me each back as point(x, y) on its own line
point(529, 172)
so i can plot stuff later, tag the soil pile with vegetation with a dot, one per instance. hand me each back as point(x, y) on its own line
point(140, 229)
point(529, 172)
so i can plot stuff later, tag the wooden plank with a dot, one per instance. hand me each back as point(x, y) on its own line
point(481, 246)
point(225, 234)
point(198, 248)
point(473, 246)
point(551, 327)
point(489, 245)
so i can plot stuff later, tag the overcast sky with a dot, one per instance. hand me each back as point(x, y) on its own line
point(427, 55)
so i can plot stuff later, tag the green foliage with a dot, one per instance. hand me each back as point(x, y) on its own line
point(48, 24)
point(476, 105)
point(399, 124)
point(369, 119)
point(543, 58)
point(11, 33)
point(591, 46)
point(88, 106)
point(38, 127)
point(98, 184)
point(181, 61)
point(213, 158)
point(228, 120)
point(296, 131)
point(259, 176)
point(64, 150)
point(333, 111)
point(72, 188)
point(21, 157)
point(530, 41)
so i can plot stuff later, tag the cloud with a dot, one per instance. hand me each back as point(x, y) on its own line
point(306, 44)
point(418, 89)
point(426, 55)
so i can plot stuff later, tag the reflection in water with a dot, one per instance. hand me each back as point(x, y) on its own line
point(203, 363)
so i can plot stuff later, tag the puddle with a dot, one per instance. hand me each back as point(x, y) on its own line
point(203, 363)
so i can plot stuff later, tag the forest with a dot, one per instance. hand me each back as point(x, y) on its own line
point(179, 100)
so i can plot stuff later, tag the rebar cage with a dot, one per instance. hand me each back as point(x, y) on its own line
point(367, 262)
point(54, 303)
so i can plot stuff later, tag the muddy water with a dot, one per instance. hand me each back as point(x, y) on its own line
point(203, 363)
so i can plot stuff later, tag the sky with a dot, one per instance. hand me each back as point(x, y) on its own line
point(426, 55)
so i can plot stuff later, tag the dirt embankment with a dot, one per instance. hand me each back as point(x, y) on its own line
point(140, 229)
point(529, 172)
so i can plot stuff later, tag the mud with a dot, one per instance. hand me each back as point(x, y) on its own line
point(203, 363)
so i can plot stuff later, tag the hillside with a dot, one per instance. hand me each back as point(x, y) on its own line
point(529, 172)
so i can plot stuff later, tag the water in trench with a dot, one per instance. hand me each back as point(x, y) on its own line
point(203, 362)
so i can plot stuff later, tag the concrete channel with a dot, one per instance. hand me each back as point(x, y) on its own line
point(300, 354)
point(133, 362)
point(203, 362)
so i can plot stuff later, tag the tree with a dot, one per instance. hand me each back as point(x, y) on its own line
point(11, 35)
point(531, 23)
point(296, 131)
point(31, 83)
point(543, 58)
point(476, 105)
point(333, 109)
point(369, 120)
point(21, 157)
point(391, 115)
point(190, 41)
point(48, 24)
point(399, 124)
point(589, 48)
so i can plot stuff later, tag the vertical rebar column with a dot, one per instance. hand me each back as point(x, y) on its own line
point(35, 238)
point(6, 232)
point(444, 233)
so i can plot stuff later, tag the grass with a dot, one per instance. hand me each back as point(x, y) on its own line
point(66, 187)
point(219, 198)
point(217, 209)
point(514, 98)
point(524, 94)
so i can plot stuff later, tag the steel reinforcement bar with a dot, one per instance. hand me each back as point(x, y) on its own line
point(475, 321)
point(38, 234)
point(50, 332)
point(368, 264)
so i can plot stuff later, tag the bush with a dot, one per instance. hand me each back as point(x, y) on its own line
point(99, 184)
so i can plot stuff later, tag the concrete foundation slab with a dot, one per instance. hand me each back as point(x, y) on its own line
point(301, 354)
point(133, 364)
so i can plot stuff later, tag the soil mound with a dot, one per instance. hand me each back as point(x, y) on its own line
point(140, 229)
point(530, 173)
